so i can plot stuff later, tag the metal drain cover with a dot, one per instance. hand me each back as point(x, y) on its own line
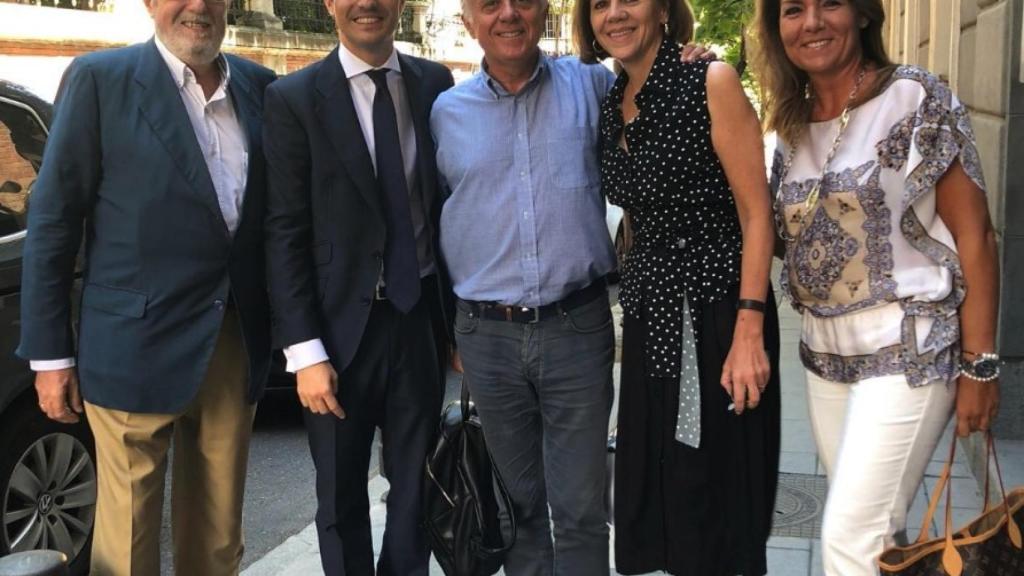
point(799, 504)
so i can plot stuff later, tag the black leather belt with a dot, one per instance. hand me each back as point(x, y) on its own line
point(526, 315)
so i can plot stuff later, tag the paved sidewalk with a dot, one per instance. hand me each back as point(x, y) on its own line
point(787, 555)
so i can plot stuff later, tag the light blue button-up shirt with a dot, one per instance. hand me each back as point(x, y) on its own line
point(524, 223)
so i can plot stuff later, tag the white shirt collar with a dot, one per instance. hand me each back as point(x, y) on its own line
point(182, 73)
point(354, 66)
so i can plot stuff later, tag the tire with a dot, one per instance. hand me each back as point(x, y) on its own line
point(58, 514)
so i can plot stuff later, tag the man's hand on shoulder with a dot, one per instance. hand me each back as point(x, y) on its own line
point(317, 386)
point(58, 394)
point(693, 52)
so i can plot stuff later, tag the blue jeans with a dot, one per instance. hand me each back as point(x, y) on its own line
point(544, 392)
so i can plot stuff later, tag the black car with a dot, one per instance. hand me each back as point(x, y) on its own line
point(47, 469)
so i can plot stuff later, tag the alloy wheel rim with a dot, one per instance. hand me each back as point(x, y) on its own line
point(51, 499)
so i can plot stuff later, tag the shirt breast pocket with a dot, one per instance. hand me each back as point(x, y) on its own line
point(572, 157)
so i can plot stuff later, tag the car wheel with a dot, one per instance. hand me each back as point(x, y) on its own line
point(47, 486)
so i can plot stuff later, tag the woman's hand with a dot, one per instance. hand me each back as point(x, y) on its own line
point(977, 404)
point(746, 370)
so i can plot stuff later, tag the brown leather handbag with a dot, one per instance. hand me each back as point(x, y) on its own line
point(989, 545)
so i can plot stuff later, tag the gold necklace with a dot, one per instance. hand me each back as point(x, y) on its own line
point(811, 202)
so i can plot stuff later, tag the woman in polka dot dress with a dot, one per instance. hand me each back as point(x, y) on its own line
point(698, 446)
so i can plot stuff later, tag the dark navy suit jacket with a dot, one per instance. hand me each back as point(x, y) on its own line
point(325, 219)
point(123, 168)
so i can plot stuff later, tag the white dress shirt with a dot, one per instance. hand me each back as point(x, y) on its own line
point(220, 135)
point(221, 139)
point(311, 352)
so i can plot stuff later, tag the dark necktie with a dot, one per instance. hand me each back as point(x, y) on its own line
point(401, 268)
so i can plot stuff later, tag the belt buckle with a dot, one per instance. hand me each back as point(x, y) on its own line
point(378, 292)
point(536, 314)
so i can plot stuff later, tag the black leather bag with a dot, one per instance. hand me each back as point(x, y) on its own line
point(463, 495)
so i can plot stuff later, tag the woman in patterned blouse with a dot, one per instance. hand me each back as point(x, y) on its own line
point(698, 445)
point(890, 257)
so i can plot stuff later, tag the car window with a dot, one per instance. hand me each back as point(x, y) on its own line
point(22, 139)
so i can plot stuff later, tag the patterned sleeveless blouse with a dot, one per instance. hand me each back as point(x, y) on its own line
point(686, 230)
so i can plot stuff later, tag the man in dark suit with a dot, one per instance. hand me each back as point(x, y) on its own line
point(355, 280)
point(155, 156)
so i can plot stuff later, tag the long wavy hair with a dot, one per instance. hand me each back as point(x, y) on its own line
point(784, 103)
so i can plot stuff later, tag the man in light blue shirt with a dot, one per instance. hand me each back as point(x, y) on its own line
point(526, 217)
point(523, 237)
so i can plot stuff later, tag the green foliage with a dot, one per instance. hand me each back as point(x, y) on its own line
point(722, 23)
point(304, 16)
point(561, 6)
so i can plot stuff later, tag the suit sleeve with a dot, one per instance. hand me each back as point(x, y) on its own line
point(288, 225)
point(447, 311)
point(61, 199)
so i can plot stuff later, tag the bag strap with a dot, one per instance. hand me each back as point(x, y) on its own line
point(507, 500)
point(501, 489)
point(952, 562)
point(464, 399)
point(933, 504)
point(1012, 529)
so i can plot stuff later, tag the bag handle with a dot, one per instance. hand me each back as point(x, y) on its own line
point(952, 562)
point(507, 500)
point(1012, 529)
point(464, 399)
point(502, 490)
point(940, 486)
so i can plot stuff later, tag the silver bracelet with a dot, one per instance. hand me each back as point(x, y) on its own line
point(984, 367)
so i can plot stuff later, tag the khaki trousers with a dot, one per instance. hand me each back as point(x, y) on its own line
point(211, 450)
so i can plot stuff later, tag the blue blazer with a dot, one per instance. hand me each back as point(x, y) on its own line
point(325, 221)
point(123, 168)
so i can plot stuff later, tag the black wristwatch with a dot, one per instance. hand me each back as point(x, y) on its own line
point(984, 367)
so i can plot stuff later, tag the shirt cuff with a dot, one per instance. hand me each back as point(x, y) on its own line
point(304, 354)
point(47, 365)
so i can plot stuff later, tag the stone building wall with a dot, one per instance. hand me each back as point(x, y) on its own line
point(975, 45)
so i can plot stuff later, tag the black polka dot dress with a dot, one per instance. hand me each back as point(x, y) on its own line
point(707, 510)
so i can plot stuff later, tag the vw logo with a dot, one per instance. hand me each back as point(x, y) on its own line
point(45, 503)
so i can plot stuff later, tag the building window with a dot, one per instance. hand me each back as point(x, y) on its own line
point(553, 26)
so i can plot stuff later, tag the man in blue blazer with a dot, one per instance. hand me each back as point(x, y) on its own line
point(355, 277)
point(155, 158)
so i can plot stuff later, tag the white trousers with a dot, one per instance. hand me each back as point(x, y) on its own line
point(875, 439)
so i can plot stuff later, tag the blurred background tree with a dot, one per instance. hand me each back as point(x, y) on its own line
point(723, 24)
